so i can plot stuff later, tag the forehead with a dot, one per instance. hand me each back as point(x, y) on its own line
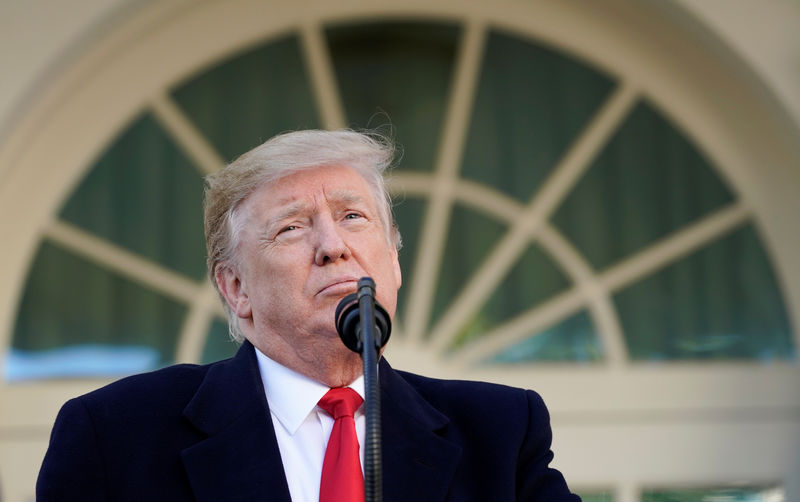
point(332, 183)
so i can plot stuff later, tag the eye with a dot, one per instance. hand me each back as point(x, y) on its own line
point(352, 216)
point(288, 228)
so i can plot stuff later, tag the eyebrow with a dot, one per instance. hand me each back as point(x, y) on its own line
point(290, 211)
point(301, 206)
point(345, 196)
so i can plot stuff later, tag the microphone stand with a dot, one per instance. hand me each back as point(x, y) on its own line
point(373, 472)
point(364, 327)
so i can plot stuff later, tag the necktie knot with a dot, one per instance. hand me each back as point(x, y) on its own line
point(340, 402)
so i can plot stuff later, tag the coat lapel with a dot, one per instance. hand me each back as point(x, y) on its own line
point(418, 462)
point(240, 459)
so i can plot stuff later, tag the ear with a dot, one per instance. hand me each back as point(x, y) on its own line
point(398, 275)
point(232, 288)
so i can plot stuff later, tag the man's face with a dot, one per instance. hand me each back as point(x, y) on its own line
point(307, 239)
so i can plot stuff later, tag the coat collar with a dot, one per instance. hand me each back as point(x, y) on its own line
point(240, 459)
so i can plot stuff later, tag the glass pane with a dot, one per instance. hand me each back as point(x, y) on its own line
point(745, 494)
point(532, 102)
point(471, 236)
point(144, 195)
point(84, 320)
point(721, 302)
point(249, 98)
point(408, 213)
point(80, 361)
point(531, 280)
point(218, 343)
point(573, 339)
point(397, 73)
point(648, 181)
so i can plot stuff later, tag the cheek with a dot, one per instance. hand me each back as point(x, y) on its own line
point(275, 281)
point(389, 277)
point(276, 298)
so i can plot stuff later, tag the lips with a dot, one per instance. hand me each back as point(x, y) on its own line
point(339, 287)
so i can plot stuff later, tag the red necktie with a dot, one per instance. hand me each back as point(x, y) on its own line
point(342, 480)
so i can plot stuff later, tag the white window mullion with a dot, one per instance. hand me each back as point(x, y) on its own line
point(123, 262)
point(601, 308)
point(323, 78)
point(194, 332)
point(675, 246)
point(186, 135)
point(572, 166)
point(448, 162)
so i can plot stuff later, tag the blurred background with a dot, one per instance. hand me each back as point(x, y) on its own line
point(598, 200)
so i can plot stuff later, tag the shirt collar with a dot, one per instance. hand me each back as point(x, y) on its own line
point(290, 395)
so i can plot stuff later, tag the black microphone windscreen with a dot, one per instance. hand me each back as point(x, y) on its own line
point(348, 323)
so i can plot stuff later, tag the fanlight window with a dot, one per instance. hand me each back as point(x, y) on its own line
point(569, 222)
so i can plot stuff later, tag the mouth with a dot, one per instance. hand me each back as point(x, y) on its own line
point(339, 287)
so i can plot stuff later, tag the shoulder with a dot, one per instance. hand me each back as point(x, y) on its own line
point(470, 390)
point(479, 400)
point(108, 433)
point(503, 432)
point(168, 390)
point(154, 384)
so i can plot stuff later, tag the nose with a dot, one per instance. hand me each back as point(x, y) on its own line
point(330, 245)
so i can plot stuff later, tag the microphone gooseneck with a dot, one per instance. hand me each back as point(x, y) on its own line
point(364, 327)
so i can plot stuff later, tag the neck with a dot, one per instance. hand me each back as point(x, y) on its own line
point(333, 366)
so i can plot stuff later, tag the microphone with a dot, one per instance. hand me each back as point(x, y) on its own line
point(361, 323)
point(348, 317)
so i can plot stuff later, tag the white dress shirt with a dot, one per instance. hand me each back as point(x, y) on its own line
point(302, 427)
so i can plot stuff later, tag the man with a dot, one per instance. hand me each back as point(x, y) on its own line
point(290, 228)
